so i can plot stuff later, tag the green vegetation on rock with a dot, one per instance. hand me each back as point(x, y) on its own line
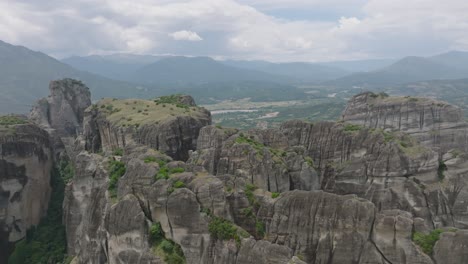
point(10, 120)
point(178, 184)
point(47, 242)
point(441, 170)
point(164, 172)
point(171, 99)
point(275, 195)
point(167, 249)
point(249, 192)
point(176, 170)
point(427, 241)
point(352, 128)
point(242, 139)
point(116, 170)
point(118, 152)
point(138, 112)
point(220, 228)
point(260, 229)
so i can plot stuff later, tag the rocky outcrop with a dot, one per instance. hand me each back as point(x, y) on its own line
point(85, 207)
point(170, 124)
point(435, 124)
point(261, 156)
point(25, 167)
point(63, 110)
point(329, 192)
point(451, 247)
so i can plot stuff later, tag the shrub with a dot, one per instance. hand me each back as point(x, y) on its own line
point(352, 128)
point(167, 246)
point(249, 189)
point(275, 195)
point(177, 170)
point(222, 229)
point(178, 184)
point(170, 251)
point(116, 170)
point(11, 120)
point(248, 212)
point(156, 232)
point(150, 159)
point(441, 170)
point(163, 174)
point(260, 229)
point(388, 136)
point(118, 152)
point(427, 242)
point(309, 161)
point(66, 170)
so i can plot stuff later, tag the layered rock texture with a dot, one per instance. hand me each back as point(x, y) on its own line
point(25, 165)
point(155, 183)
point(434, 123)
point(169, 124)
point(62, 112)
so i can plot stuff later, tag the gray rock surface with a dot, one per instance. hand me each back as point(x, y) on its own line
point(260, 156)
point(26, 163)
point(346, 194)
point(171, 128)
point(451, 248)
point(435, 124)
point(63, 110)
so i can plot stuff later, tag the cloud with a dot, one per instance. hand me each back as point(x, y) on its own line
point(185, 35)
point(241, 29)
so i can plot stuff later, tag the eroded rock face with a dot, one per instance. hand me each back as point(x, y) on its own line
point(451, 247)
point(25, 166)
point(434, 123)
point(261, 156)
point(312, 237)
point(171, 127)
point(303, 193)
point(85, 207)
point(63, 110)
point(392, 236)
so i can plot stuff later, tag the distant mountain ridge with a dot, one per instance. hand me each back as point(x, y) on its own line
point(116, 66)
point(25, 77)
point(299, 71)
point(446, 66)
point(183, 71)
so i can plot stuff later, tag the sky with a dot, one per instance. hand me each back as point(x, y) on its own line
point(274, 30)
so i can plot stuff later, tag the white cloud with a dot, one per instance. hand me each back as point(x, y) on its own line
point(185, 35)
point(238, 29)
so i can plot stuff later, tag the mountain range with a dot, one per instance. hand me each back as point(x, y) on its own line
point(450, 65)
point(25, 75)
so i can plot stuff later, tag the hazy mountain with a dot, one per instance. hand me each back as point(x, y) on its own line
point(25, 76)
point(457, 59)
point(360, 65)
point(186, 71)
point(408, 69)
point(257, 91)
point(299, 71)
point(116, 66)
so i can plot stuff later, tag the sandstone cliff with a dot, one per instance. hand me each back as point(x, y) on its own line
point(329, 192)
point(25, 166)
point(169, 124)
point(435, 124)
point(62, 112)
